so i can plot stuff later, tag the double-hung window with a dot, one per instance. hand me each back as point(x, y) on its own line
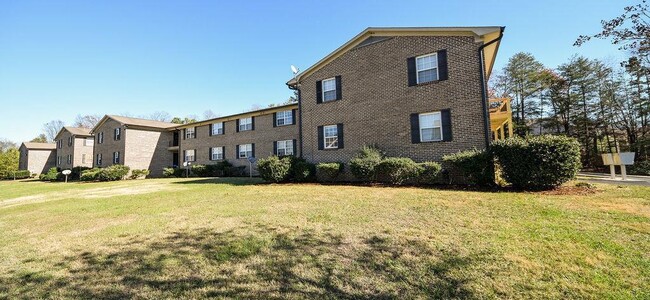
point(245, 151)
point(426, 68)
point(216, 153)
point(246, 124)
point(217, 128)
point(116, 157)
point(117, 134)
point(190, 155)
point(329, 89)
point(58, 160)
point(99, 159)
point(69, 158)
point(430, 127)
point(60, 143)
point(100, 138)
point(284, 118)
point(190, 133)
point(70, 139)
point(284, 148)
point(331, 137)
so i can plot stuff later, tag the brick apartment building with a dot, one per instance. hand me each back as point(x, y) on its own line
point(37, 157)
point(74, 148)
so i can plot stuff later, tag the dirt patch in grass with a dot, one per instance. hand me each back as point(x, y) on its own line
point(569, 190)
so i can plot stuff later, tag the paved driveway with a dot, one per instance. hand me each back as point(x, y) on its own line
point(604, 178)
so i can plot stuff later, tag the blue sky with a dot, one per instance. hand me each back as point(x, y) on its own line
point(63, 58)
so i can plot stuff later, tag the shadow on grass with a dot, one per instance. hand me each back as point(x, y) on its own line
point(221, 180)
point(251, 263)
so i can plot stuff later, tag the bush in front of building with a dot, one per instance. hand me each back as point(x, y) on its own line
point(76, 172)
point(113, 173)
point(537, 162)
point(139, 173)
point(363, 164)
point(397, 170)
point(51, 175)
point(430, 173)
point(274, 169)
point(641, 168)
point(329, 172)
point(475, 166)
point(20, 174)
point(218, 169)
point(301, 170)
point(89, 175)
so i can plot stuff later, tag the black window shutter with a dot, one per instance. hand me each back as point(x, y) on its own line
point(293, 116)
point(338, 87)
point(237, 126)
point(253, 149)
point(275, 119)
point(210, 153)
point(184, 132)
point(415, 128)
point(319, 91)
point(321, 142)
point(442, 65)
point(275, 147)
point(295, 147)
point(252, 123)
point(210, 130)
point(195, 154)
point(410, 65)
point(223, 152)
point(339, 131)
point(223, 128)
point(237, 152)
point(445, 118)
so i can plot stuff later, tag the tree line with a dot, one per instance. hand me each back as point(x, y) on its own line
point(605, 105)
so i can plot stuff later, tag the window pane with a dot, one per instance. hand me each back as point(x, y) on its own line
point(427, 134)
point(437, 134)
point(329, 85)
point(329, 95)
point(427, 62)
point(427, 76)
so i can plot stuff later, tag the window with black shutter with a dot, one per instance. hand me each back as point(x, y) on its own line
point(431, 126)
point(427, 68)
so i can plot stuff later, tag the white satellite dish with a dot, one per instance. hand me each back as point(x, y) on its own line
point(294, 69)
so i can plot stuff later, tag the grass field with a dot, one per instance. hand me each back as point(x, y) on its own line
point(236, 238)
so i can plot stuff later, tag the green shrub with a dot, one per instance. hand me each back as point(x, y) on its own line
point(538, 162)
point(640, 168)
point(168, 172)
point(51, 175)
point(329, 171)
point(89, 175)
point(363, 164)
point(199, 170)
point(476, 166)
point(430, 173)
point(235, 171)
point(397, 170)
point(76, 172)
point(20, 174)
point(274, 169)
point(301, 170)
point(139, 173)
point(113, 173)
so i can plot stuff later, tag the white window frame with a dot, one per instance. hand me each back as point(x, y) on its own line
point(246, 149)
point(89, 141)
point(417, 71)
point(58, 160)
point(286, 146)
point(323, 89)
point(190, 157)
point(100, 138)
point(247, 126)
point(439, 116)
point(99, 159)
point(117, 134)
point(116, 157)
point(334, 138)
point(190, 133)
point(217, 128)
point(70, 139)
point(69, 159)
point(285, 116)
point(216, 153)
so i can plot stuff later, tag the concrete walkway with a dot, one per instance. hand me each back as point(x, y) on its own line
point(604, 178)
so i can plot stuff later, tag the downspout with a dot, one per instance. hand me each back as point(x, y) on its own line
point(486, 115)
point(297, 88)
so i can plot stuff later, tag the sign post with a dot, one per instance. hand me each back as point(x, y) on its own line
point(251, 161)
point(66, 173)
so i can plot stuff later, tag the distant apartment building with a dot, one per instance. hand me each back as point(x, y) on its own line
point(136, 143)
point(235, 138)
point(37, 157)
point(74, 148)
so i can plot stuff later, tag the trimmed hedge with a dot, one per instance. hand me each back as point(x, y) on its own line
point(20, 174)
point(538, 162)
point(329, 171)
point(89, 175)
point(139, 173)
point(113, 173)
point(397, 170)
point(363, 164)
point(51, 175)
point(274, 169)
point(430, 173)
point(301, 170)
point(476, 166)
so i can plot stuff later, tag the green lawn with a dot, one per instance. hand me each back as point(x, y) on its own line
point(236, 238)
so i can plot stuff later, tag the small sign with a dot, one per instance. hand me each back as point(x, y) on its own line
point(184, 164)
point(252, 159)
point(66, 172)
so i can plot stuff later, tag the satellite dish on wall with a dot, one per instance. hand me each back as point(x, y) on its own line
point(294, 69)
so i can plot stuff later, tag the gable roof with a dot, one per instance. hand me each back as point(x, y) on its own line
point(136, 122)
point(254, 113)
point(77, 131)
point(39, 146)
point(482, 34)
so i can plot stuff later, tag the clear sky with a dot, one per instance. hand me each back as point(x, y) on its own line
point(63, 58)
